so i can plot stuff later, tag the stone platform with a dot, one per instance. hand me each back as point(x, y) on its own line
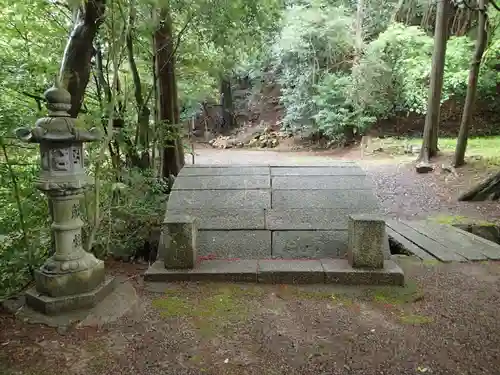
point(272, 224)
point(272, 211)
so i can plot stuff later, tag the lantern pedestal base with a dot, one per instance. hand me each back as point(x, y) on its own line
point(69, 283)
point(55, 305)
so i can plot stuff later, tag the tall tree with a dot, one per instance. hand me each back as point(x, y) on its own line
point(482, 38)
point(429, 143)
point(76, 62)
point(172, 150)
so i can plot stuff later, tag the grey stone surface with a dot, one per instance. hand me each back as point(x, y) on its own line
point(244, 244)
point(223, 182)
point(119, 302)
point(122, 301)
point(180, 242)
point(285, 199)
point(69, 283)
point(318, 162)
point(310, 218)
point(228, 219)
point(290, 272)
point(224, 171)
point(57, 305)
point(367, 236)
point(320, 182)
point(309, 244)
point(303, 220)
point(219, 199)
point(348, 170)
point(208, 270)
point(339, 271)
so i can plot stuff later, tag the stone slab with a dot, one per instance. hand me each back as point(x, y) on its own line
point(123, 300)
point(224, 171)
point(290, 272)
point(219, 199)
point(309, 244)
point(226, 219)
point(310, 219)
point(320, 182)
point(347, 170)
point(310, 162)
point(339, 271)
point(55, 305)
point(209, 270)
point(244, 244)
point(222, 182)
point(349, 199)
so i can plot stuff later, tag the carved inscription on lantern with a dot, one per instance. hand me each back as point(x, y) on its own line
point(77, 156)
point(60, 161)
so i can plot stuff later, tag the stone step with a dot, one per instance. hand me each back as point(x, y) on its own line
point(271, 271)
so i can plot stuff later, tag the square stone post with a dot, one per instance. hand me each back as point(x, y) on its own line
point(71, 278)
point(179, 241)
point(366, 241)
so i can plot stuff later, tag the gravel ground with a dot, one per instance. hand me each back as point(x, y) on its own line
point(445, 321)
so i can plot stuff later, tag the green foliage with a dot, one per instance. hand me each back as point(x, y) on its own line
point(328, 86)
point(210, 38)
point(336, 109)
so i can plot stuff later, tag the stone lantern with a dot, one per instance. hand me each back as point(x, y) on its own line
point(71, 278)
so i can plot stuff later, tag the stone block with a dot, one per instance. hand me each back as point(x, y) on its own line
point(55, 305)
point(70, 283)
point(219, 199)
point(242, 244)
point(242, 170)
point(181, 242)
point(241, 182)
point(366, 241)
point(339, 170)
point(320, 182)
point(219, 270)
point(290, 272)
point(309, 244)
point(339, 271)
point(310, 218)
point(226, 219)
point(348, 199)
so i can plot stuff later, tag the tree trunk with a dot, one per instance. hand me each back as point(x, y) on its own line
point(226, 102)
point(75, 66)
point(171, 163)
point(488, 189)
point(482, 38)
point(429, 143)
point(177, 116)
